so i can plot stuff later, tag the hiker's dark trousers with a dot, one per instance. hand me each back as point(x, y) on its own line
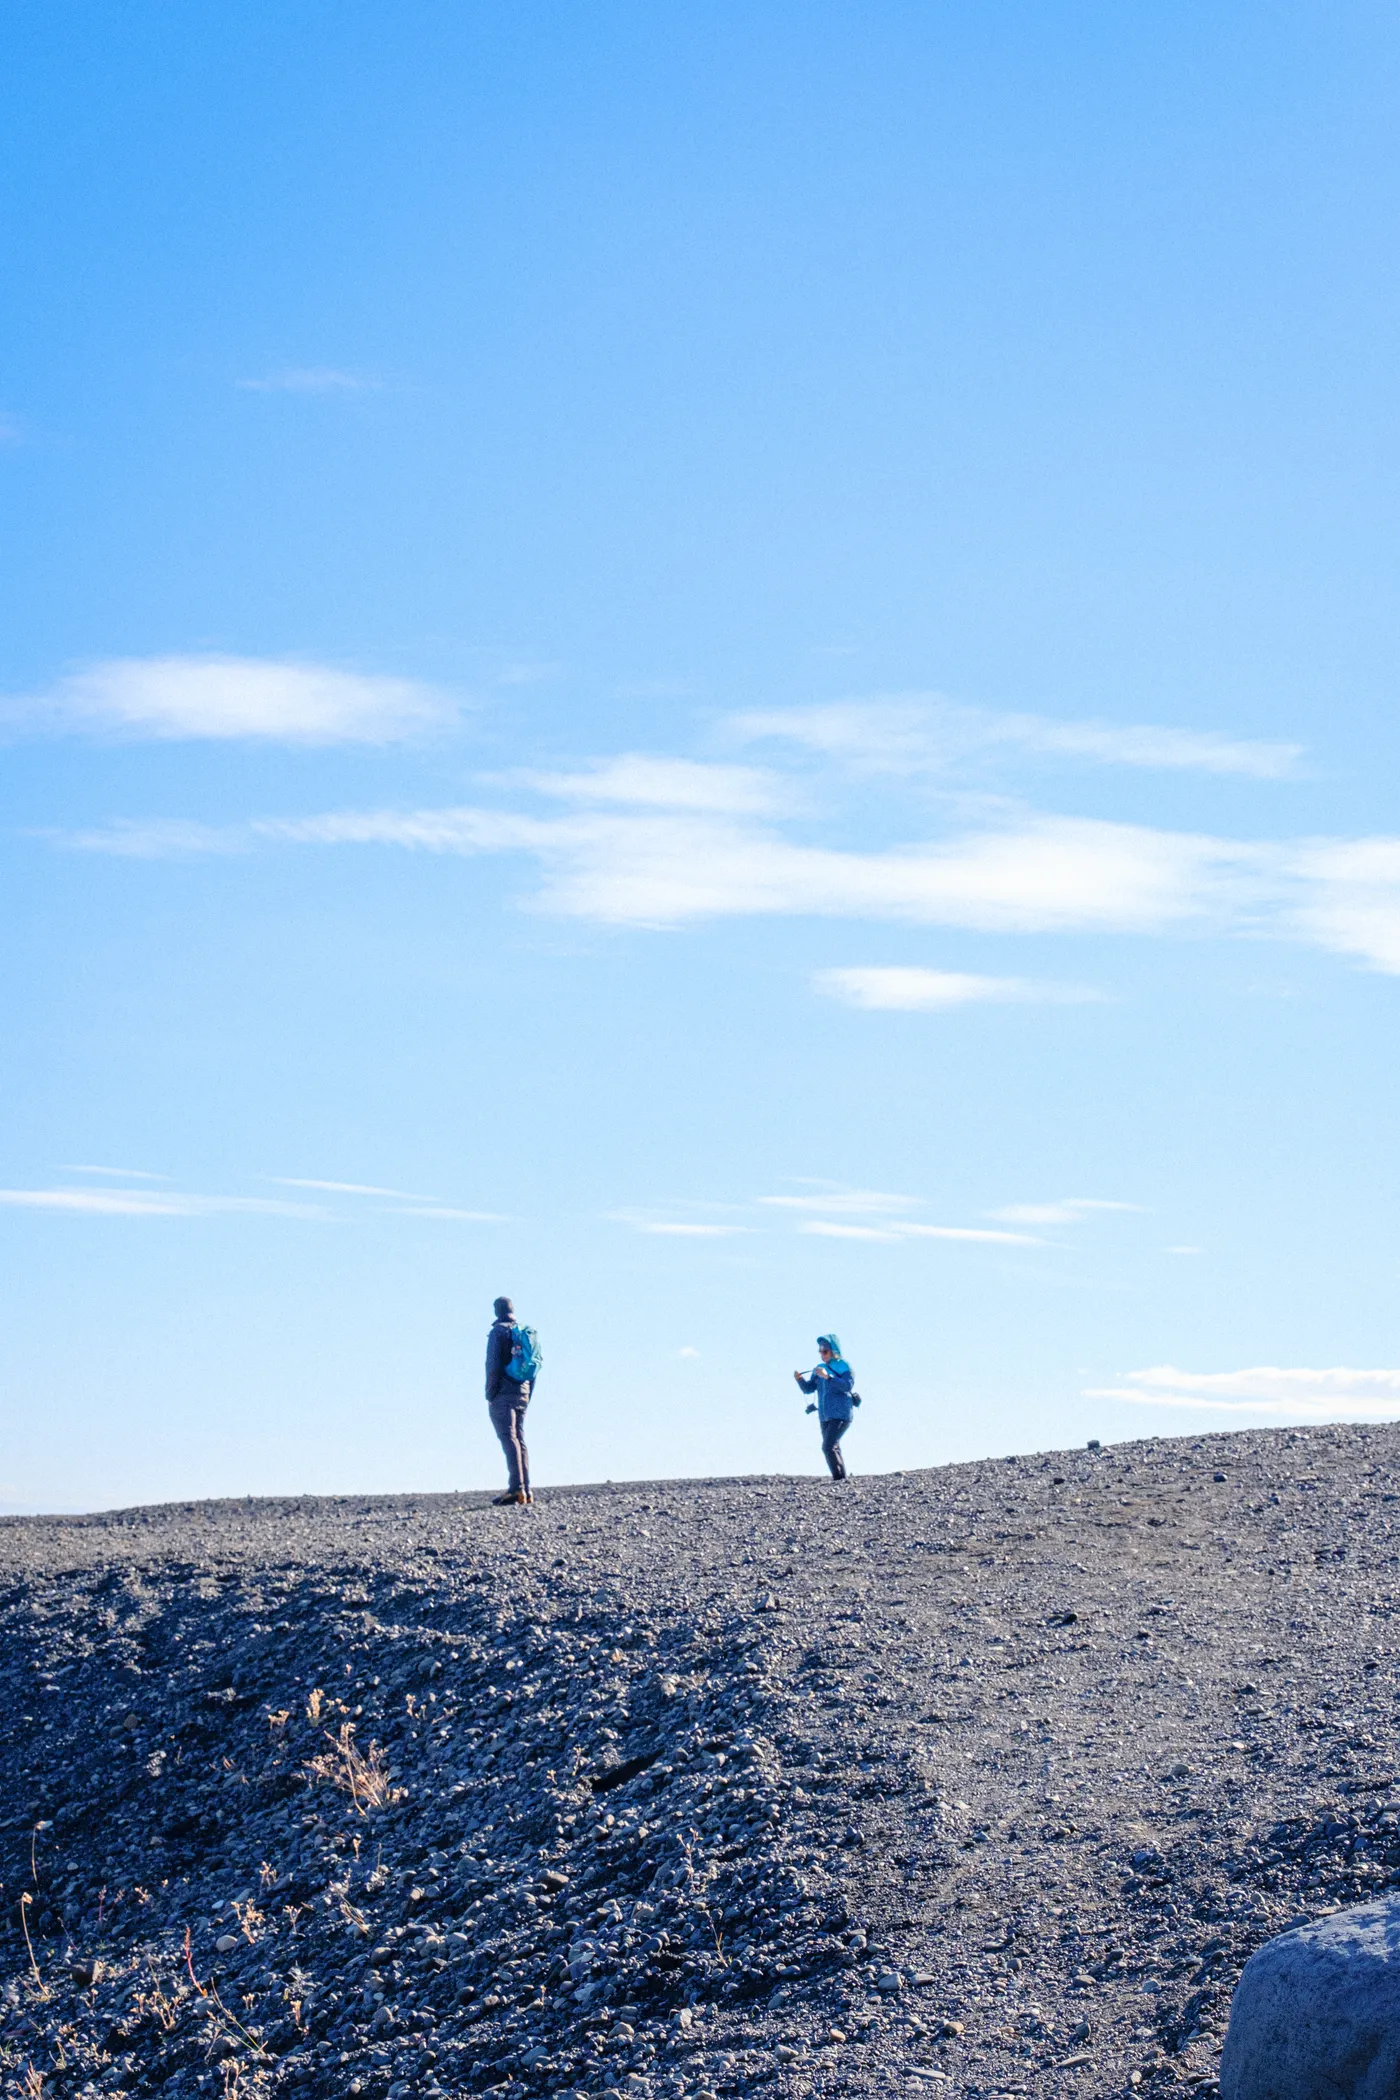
point(508, 1421)
point(832, 1433)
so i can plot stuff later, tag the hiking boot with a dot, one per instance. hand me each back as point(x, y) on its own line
point(511, 1496)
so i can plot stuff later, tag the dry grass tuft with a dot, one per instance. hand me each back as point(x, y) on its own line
point(364, 1776)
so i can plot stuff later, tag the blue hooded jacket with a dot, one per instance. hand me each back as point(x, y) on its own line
point(833, 1384)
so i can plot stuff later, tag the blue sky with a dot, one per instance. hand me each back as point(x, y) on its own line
point(732, 669)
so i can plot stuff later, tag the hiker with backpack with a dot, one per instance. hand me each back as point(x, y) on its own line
point(512, 1366)
point(833, 1382)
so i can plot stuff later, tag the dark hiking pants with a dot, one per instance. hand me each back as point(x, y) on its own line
point(508, 1421)
point(832, 1433)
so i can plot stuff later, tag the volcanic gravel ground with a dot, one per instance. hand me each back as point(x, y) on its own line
point(984, 1780)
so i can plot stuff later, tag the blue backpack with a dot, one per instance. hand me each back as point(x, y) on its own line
point(525, 1354)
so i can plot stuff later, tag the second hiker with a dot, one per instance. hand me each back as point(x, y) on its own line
point(833, 1383)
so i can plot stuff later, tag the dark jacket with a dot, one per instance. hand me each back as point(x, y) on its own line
point(833, 1385)
point(498, 1383)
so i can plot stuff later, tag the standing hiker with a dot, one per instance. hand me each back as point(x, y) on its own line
point(833, 1383)
point(512, 1366)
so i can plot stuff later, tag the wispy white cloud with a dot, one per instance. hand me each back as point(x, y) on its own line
point(449, 1211)
point(667, 783)
point(155, 838)
point(833, 1201)
point(670, 1226)
point(906, 989)
point(822, 1212)
point(1069, 1210)
point(876, 1214)
point(108, 1201)
point(667, 843)
point(1349, 898)
point(345, 1188)
point(311, 379)
point(1048, 875)
point(462, 830)
point(660, 870)
point(150, 1203)
point(405, 1203)
point(930, 733)
point(1055, 875)
point(1265, 1389)
point(115, 1173)
point(230, 697)
point(906, 1229)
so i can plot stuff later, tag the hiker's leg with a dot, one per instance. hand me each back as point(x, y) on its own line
point(832, 1433)
point(505, 1422)
point(520, 1442)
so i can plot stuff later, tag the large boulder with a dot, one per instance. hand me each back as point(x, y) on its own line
point(1316, 2012)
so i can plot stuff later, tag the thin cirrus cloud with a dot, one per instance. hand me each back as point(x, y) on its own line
point(114, 1173)
point(859, 1202)
point(877, 1215)
point(826, 1213)
point(905, 989)
point(909, 1229)
point(158, 838)
point(127, 1193)
point(113, 1202)
point(666, 783)
point(1313, 1395)
point(666, 843)
point(1068, 1210)
point(670, 1227)
point(928, 733)
point(312, 379)
point(226, 698)
point(450, 1212)
point(346, 1188)
point(406, 1203)
point(670, 868)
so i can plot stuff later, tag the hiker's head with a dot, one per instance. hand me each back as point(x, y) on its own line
point(503, 1309)
point(828, 1345)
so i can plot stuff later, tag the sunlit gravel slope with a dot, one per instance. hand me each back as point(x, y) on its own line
point(976, 1781)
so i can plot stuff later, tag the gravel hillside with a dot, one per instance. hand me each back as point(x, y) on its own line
point(978, 1781)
